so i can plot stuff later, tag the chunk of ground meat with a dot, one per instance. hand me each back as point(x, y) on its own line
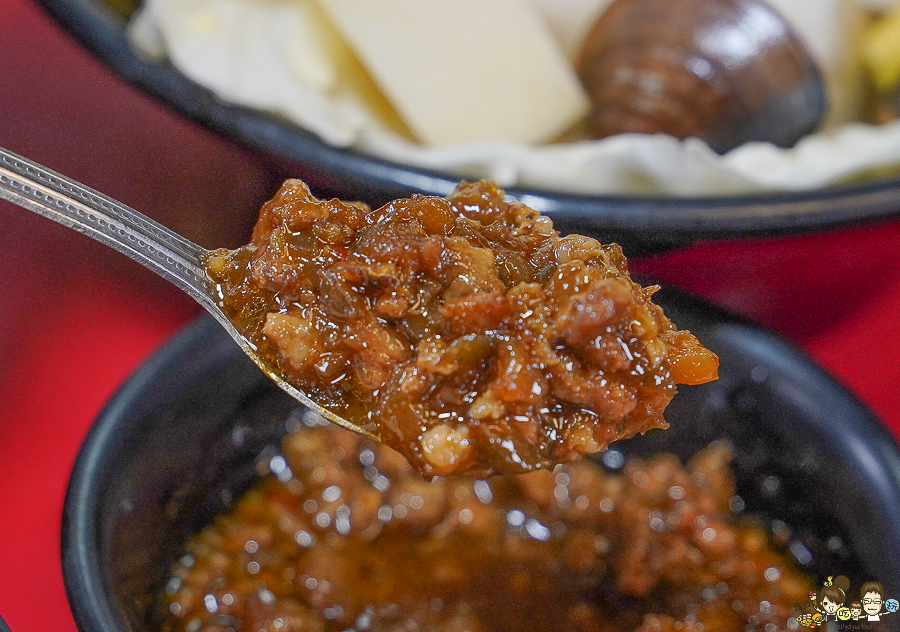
point(464, 332)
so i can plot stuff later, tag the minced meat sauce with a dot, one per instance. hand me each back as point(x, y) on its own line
point(464, 332)
point(345, 537)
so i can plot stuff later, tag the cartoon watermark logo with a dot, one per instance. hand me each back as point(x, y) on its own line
point(834, 602)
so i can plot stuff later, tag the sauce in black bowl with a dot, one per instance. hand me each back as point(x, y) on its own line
point(198, 423)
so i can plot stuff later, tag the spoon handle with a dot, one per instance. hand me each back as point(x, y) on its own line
point(36, 188)
point(122, 228)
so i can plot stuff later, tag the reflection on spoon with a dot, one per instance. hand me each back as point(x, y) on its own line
point(176, 259)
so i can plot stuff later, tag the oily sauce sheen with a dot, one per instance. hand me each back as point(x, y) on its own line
point(346, 537)
point(463, 332)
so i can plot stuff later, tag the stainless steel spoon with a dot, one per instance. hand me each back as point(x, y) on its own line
point(168, 254)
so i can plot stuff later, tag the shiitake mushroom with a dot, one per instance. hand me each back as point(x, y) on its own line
point(725, 71)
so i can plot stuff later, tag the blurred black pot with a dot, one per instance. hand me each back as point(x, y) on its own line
point(185, 434)
point(640, 223)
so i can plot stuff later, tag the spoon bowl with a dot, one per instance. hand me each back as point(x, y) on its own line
point(173, 257)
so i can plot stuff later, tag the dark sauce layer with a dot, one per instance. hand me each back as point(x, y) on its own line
point(464, 332)
point(345, 536)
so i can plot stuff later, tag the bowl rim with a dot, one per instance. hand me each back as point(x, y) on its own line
point(91, 601)
point(81, 553)
point(652, 218)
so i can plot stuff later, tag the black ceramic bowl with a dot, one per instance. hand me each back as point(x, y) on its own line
point(640, 223)
point(185, 434)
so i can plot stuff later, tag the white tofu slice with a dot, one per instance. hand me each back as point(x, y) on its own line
point(459, 71)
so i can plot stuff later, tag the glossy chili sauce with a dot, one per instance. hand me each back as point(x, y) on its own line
point(345, 537)
point(464, 332)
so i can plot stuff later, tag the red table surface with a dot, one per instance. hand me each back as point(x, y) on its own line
point(77, 318)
